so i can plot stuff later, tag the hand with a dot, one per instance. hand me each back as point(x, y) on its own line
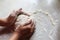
point(26, 30)
point(20, 11)
point(14, 15)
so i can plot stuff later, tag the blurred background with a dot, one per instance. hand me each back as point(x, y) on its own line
point(44, 29)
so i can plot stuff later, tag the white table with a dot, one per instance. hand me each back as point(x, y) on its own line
point(44, 29)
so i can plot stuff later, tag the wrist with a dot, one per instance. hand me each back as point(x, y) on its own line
point(18, 36)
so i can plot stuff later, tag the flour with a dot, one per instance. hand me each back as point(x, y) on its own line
point(46, 13)
point(22, 19)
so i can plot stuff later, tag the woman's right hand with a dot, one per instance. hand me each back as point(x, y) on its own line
point(26, 30)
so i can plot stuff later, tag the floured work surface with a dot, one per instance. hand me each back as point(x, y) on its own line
point(45, 27)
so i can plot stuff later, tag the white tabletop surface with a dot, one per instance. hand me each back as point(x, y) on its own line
point(44, 28)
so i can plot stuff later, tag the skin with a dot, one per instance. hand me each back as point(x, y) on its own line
point(12, 18)
point(20, 32)
point(24, 32)
point(9, 22)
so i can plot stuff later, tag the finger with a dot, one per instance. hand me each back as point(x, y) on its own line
point(13, 12)
point(17, 27)
point(29, 22)
point(32, 23)
point(29, 25)
point(20, 10)
point(26, 14)
point(23, 13)
point(33, 27)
